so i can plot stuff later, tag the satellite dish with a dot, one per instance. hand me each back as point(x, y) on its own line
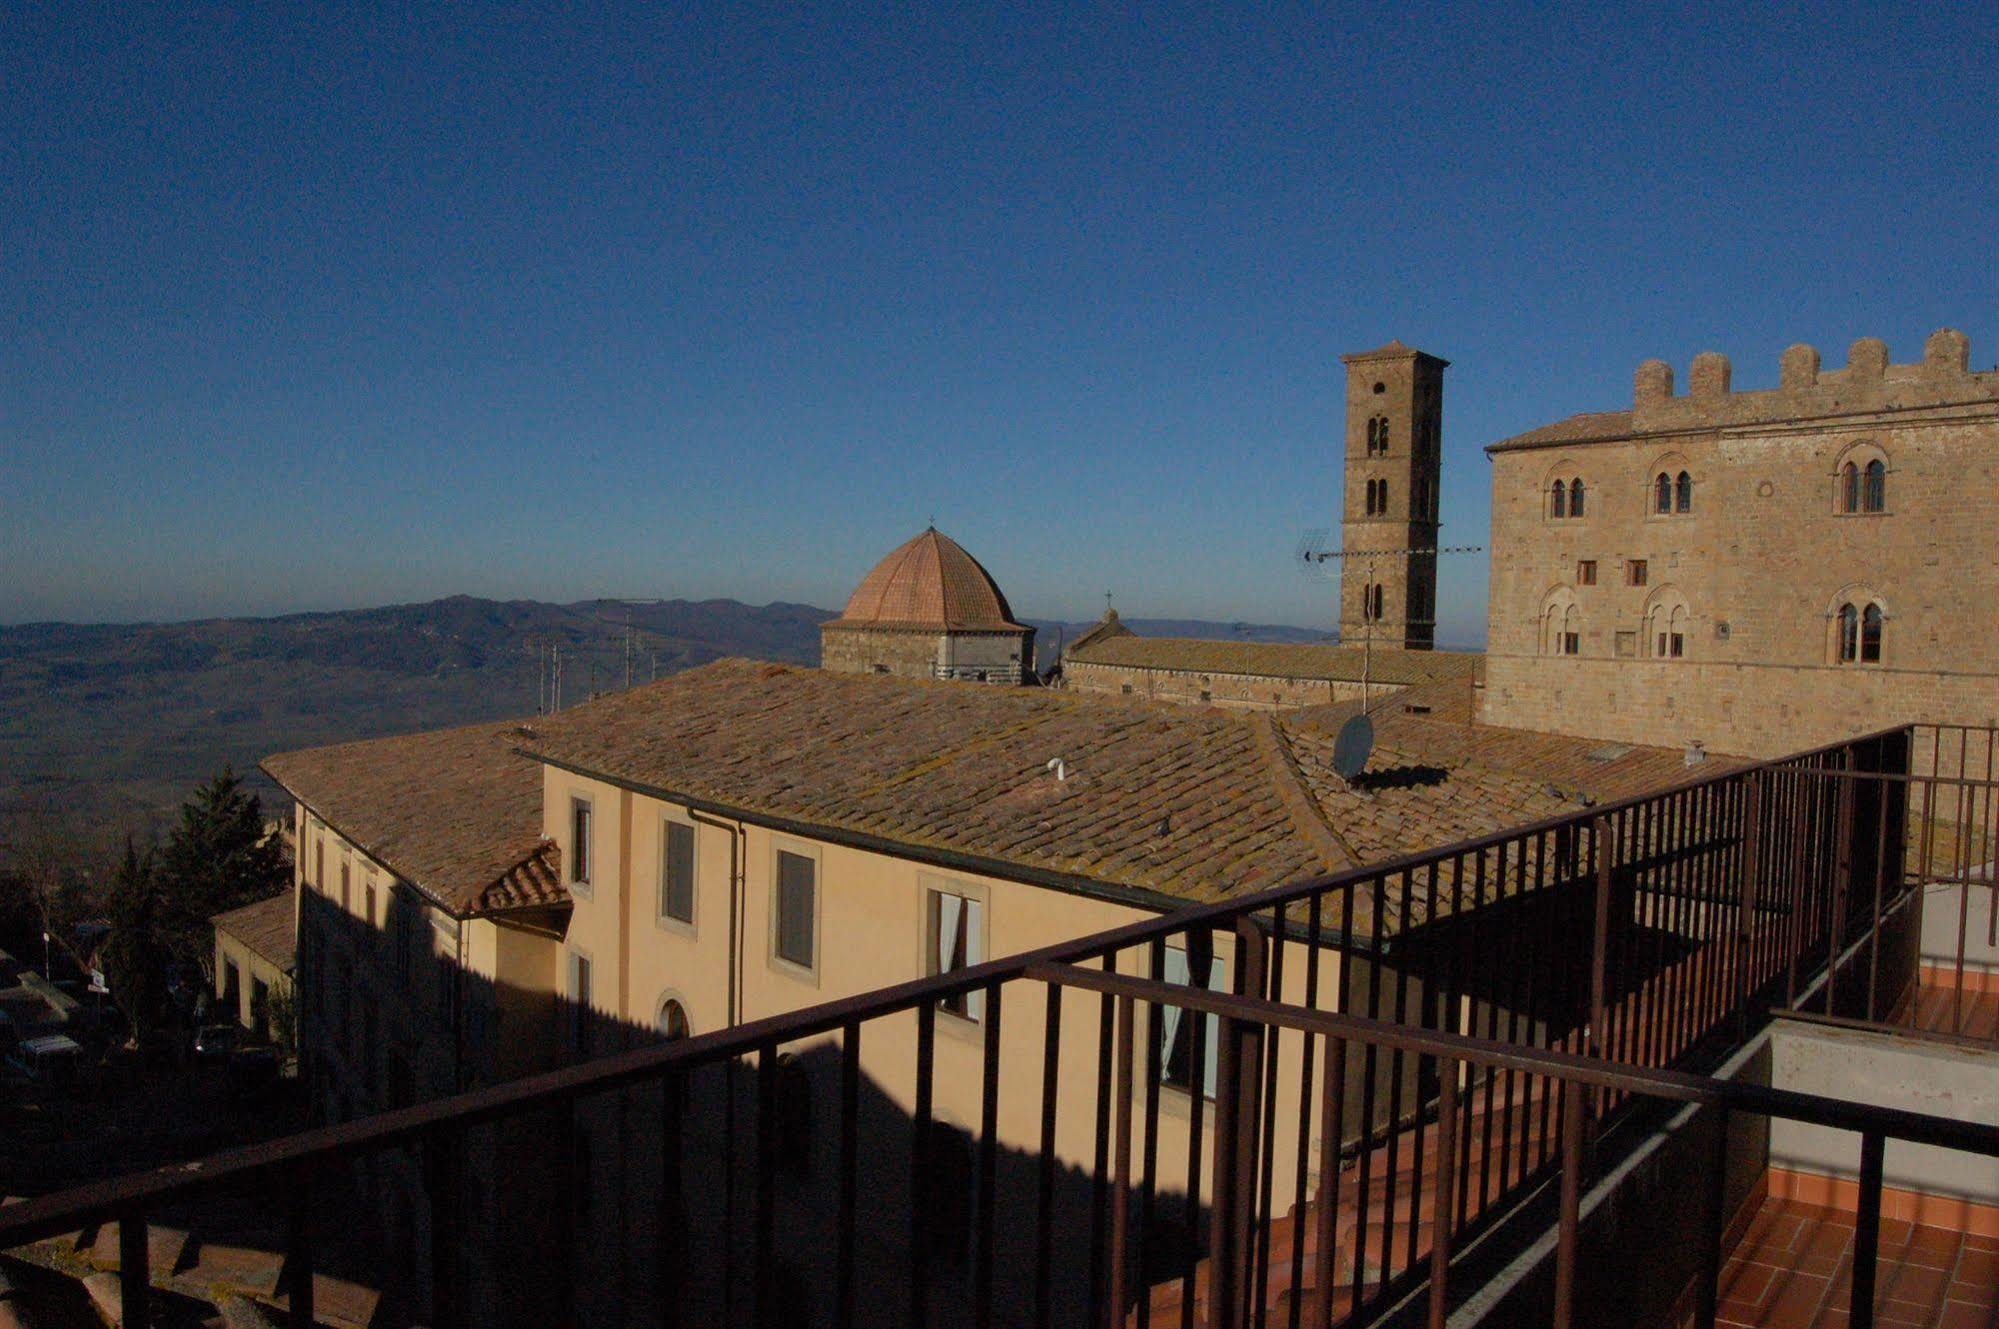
point(1351, 748)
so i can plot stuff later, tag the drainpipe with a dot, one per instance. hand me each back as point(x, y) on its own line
point(738, 867)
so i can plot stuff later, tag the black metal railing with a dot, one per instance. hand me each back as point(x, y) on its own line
point(1399, 1055)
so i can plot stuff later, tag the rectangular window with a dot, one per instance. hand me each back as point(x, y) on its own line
point(957, 940)
point(319, 865)
point(579, 1002)
point(579, 842)
point(1178, 1032)
point(370, 892)
point(1572, 643)
point(1635, 572)
point(676, 873)
point(345, 873)
point(1586, 572)
point(795, 940)
point(1678, 645)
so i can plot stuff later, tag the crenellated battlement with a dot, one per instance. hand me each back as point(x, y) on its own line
point(1869, 381)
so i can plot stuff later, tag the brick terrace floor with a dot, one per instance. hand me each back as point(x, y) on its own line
point(1937, 1010)
point(1793, 1270)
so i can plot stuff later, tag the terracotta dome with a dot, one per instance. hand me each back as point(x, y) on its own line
point(928, 582)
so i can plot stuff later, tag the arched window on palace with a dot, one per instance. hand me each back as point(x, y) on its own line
point(1858, 632)
point(1662, 493)
point(1575, 496)
point(1683, 493)
point(1561, 624)
point(672, 1023)
point(1874, 487)
point(1559, 503)
point(1668, 625)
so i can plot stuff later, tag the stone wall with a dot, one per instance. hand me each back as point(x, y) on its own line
point(1752, 576)
point(1002, 657)
point(1233, 691)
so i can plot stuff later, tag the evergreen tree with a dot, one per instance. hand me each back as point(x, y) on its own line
point(219, 857)
point(138, 955)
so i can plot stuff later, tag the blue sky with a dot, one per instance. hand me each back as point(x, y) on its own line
point(338, 306)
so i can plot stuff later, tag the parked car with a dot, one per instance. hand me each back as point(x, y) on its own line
point(216, 1042)
point(51, 1059)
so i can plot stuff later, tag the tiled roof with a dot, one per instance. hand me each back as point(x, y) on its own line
point(266, 927)
point(928, 582)
point(1185, 802)
point(454, 812)
point(1584, 428)
point(1276, 659)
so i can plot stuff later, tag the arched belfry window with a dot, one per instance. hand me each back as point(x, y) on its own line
point(1575, 496)
point(1376, 604)
point(1559, 504)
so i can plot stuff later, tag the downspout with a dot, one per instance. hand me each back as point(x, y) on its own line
point(738, 853)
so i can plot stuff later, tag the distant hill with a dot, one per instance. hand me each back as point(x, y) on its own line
point(118, 721)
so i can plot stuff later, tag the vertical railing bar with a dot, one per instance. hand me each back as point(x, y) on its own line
point(1100, 1190)
point(1570, 1215)
point(765, 1220)
point(1154, 1073)
point(441, 1180)
point(1745, 925)
point(1430, 1020)
point(1363, 1178)
point(1197, 1102)
point(1546, 906)
point(1266, 1158)
point(1960, 871)
point(1600, 838)
point(1391, 1181)
point(1714, 1199)
point(1440, 1224)
point(1514, 1002)
point(1332, 1132)
point(1883, 793)
point(1867, 1231)
point(135, 1278)
point(298, 1247)
point(1483, 947)
point(845, 1280)
point(1044, 1232)
point(1253, 973)
point(919, 1171)
point(1842, 884)
point(1121, 1093)
point(1307, 1066)
point(982, 1272)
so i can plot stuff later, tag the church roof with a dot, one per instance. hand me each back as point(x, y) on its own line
point(1271, 659)
point(929, 582)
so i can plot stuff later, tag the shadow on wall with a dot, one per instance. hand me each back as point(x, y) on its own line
point(775, 1171)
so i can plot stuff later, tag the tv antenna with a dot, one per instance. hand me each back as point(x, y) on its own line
point(1313, 558)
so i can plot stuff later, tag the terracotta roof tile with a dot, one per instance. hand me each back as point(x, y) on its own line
point(454, 812)
point(1185, 802)
point(267, 927)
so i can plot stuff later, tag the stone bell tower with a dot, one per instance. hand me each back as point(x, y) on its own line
point(1394, 436)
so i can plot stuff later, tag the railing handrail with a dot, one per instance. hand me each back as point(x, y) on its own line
point(99, 1201)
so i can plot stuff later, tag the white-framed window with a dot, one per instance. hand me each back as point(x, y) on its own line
point(676, 871)
point(1177, 1027)
point(794, 907)
point(955, 936)
point(581, 825)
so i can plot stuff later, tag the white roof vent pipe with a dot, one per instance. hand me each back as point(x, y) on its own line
point(1060, 767)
